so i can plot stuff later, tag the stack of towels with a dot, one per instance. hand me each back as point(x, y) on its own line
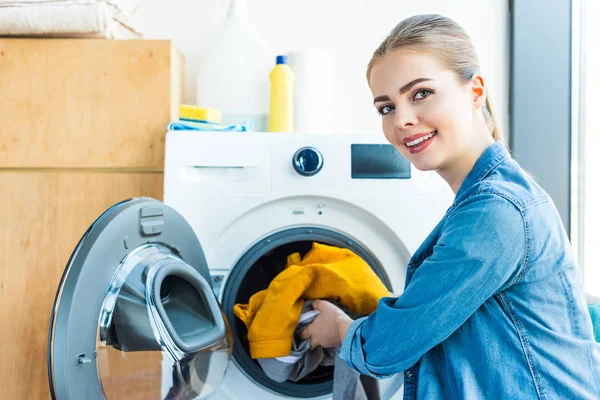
point(111, 19)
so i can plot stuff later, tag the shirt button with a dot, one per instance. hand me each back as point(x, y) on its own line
point(408, 374)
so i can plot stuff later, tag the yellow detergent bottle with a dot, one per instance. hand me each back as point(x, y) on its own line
point(281, 112)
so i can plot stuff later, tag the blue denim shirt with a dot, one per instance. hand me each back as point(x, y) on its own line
point(493, 306)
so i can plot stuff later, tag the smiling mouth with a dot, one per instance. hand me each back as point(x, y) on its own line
point(420, 140)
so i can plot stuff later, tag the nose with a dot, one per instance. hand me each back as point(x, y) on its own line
point(405, 117)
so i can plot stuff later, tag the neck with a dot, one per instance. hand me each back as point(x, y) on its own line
point(458, 168)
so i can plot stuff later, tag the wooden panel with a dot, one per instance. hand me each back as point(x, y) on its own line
point(87, 103)
point(44, 214)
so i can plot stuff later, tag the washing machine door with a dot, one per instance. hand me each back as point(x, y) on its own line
point(135, 316)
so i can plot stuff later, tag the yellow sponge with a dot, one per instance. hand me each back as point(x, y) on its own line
point(194, 113)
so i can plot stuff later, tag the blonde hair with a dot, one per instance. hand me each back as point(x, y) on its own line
point(446, 40)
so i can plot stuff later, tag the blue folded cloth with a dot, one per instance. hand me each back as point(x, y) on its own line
point(196, 126)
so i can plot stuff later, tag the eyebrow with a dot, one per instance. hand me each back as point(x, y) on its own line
point(403, 89)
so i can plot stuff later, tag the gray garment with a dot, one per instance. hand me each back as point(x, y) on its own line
point(346, 385)
point(303, 360)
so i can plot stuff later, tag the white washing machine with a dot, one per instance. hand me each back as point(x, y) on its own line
point(145, 305)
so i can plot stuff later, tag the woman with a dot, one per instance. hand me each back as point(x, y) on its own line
point(494, 306)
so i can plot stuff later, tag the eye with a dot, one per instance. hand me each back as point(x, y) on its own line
point(421, 94)
point(386, 109)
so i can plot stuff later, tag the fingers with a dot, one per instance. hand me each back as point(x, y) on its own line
point(305, 333)
point(318, 304)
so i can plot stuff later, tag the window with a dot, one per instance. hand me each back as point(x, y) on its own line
point(589, 147)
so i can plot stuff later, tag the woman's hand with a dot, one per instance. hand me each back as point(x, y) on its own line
point(328, 328)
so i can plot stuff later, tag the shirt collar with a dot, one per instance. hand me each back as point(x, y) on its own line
point(489, 159)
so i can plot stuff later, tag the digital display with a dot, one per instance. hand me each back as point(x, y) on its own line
point(378, 161)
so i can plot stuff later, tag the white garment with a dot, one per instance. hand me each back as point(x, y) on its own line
point(114, 19)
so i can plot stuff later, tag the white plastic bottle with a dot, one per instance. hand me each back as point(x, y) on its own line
point(234, 74)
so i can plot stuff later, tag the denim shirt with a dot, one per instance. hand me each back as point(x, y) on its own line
point(493, 306)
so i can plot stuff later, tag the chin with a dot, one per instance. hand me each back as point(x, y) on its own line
point(425, 163)
point(421, 166)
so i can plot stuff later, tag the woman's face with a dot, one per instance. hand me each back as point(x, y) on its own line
point(427, 113)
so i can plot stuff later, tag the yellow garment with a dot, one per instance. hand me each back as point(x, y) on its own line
point(326, 272)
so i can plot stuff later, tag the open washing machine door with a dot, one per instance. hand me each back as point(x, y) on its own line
point(134, 315)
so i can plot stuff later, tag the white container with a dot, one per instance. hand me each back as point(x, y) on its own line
point(234, 74)
point(313, 90)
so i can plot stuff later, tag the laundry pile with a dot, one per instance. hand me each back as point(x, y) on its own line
point(112, 19)
point(274, 317)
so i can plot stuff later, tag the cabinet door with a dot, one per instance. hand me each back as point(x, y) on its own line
point(44, 214)
point(74, 103)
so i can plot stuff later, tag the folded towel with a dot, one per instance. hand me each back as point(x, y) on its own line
point(128, 7)
point(326, 272)
point(90, 18)
point(207, 126)
point(4, 3)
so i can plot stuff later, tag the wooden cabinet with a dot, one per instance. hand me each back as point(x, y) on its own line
point(44, 214)
point(82, 127)
point(87, 103)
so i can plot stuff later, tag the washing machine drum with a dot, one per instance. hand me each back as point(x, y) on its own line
point(135, 315)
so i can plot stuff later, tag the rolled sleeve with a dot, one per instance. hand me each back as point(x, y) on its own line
point(351, 351)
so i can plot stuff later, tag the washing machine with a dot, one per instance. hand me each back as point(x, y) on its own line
point(145, 306)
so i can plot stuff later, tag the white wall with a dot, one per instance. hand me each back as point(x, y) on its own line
point(351, 29)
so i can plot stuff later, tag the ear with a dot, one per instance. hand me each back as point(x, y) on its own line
point(478, 92)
